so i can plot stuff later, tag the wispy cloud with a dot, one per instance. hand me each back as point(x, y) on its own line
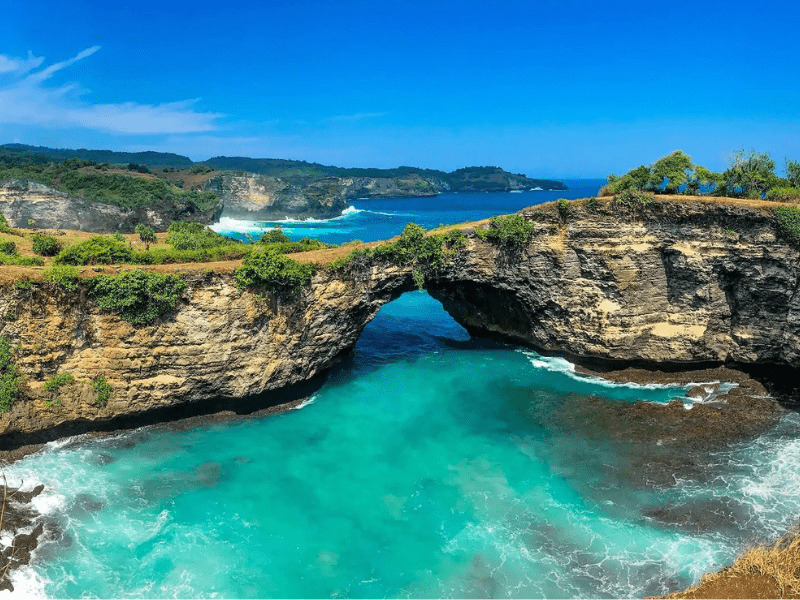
point(9, 64)
point(26, 98)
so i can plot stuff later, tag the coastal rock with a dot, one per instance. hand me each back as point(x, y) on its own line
point(667, 285)
point(259, 197)
point(23, 201)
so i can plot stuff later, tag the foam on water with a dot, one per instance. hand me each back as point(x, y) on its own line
point(671, 391)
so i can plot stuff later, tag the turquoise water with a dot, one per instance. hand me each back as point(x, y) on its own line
point(429, 464)
point(371, 220)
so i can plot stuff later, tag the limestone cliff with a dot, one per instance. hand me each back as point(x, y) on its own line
point(258, 197)
point(22, 201)
point(675, 282)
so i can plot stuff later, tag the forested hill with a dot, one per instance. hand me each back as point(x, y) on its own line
point(39, 154)
point(468, 179)
point(296, 172)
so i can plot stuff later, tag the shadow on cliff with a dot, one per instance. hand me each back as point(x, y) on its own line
point(192, 413)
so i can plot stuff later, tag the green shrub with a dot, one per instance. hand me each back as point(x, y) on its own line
point(97, 250)
point(789, 221)
point(119, 237)
point(57, 381)
point(10, 378)
point(139, 297)
point(266, 269)
point(4, 228)
point(45, 245)
point(20, 261)
point(425, 254)
point(512, 230)
point(8, 248)
point(162, 256)
point(188, 235)
point(25, 283)
point(146, 235)
point(274, 236)
point(66, 276)
point(633, 199)
point(563, 208)
point(784, 194)
point(103, 389)
point(592, 204)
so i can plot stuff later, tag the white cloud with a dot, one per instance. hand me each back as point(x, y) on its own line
point(29, 100)
point(9, 64)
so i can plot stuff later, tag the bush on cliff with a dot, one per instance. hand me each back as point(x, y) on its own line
point(65, 276)
point(139, 297)
point(10, 378)
point(188, 235)
point(425, 254)
point(784, 194)
point(4, 228)
point(789, 222)
point(275, 236)
point(265, 269)
point(20, 261)
point(512, 230)
point(45, 245)
point(57, 381)
point(8, 248)
point(163, 256)
point(97, 250)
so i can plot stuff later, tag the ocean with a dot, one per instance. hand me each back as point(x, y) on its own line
point(429, 464)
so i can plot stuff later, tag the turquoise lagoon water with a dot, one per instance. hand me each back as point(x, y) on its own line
point(429, 464)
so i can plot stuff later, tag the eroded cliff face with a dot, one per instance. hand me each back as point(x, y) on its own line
point(22, 201)
point(259, 197)
point(674, 282)
point(220, 343)
point(677, 282)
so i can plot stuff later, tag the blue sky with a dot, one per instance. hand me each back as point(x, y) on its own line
point(551, 88)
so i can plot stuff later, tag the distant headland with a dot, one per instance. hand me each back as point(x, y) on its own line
point(102, 190)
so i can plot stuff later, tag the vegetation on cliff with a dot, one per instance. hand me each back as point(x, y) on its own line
point(264, 269)
point(139, 297)
point(749, 175)
point(789, 221)
point(10, 377)
point(512, 230)
point(425, 254)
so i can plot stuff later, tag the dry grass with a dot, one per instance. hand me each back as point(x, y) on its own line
point(781, 562)
point(761, 572)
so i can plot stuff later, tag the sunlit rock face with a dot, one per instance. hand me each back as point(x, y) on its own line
point(30, 204)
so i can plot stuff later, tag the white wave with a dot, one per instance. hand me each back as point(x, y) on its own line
point(310, 400)
point(346, 213)
point(392, 214)
point(560, 365)
point(227, 224)
point(28, 584)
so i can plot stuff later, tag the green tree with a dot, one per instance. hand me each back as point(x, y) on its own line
point(793, 172)
point(751, 174)
point(146, 234)
point(671, 172)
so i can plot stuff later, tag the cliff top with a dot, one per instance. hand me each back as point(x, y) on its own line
point(548, 211)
